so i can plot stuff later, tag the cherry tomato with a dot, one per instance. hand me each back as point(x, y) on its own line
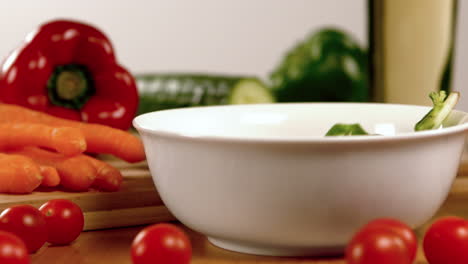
point(161, 243)
point(12, 249)
point(446, 241)
point(27, 223)
point(377, 245)
point(403, 230)
point(64, 221)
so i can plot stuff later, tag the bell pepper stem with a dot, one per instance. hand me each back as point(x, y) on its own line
point(70, 86)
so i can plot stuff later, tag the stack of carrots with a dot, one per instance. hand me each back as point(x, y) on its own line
point(37, 149)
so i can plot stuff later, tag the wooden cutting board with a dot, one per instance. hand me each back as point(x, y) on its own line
point(136, 203)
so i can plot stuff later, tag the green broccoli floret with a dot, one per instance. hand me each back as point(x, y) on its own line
point(346, 130)
point(443, 105)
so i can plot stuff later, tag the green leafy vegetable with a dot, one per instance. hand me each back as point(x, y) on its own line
point(329, 65)
point(346, 130)
point(443, 105)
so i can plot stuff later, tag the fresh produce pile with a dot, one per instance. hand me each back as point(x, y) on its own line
point(329, 65)
point(64, 98)
point(69, 69)
point(25, 229)
point(40, 149)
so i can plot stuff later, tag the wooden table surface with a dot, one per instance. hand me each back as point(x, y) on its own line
point(113, 245)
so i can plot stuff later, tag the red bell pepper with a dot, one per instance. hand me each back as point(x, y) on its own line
point(69, 69)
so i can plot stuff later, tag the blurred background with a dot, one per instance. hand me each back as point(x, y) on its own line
point(242, 37)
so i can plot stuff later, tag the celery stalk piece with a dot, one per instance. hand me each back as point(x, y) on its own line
point(443, 105)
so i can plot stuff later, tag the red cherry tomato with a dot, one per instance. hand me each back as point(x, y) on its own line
point(64, 221)
point(403, 230)
point(12, 249)
point(377, 245)
point(27, 223)
point(161, 243)
point(446, 241)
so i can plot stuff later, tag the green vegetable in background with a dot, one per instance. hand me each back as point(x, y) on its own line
point(175, 90)
point(443, 105)
point(328, 66)
point(346, 130)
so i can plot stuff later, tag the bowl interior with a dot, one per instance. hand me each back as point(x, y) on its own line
point(292, 120)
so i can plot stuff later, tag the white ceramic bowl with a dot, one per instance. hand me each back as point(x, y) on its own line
point(263, 179)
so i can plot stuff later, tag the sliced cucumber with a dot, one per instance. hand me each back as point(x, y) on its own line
point(250, 91)
point(165, 91)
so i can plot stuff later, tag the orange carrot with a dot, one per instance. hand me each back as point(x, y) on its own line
point(66, 140)
point(99, 138)
point(76, 173)
point(108, 177)
point(18, 174)
point(50, 176)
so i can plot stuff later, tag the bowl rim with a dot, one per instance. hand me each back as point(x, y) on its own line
point(456, 129)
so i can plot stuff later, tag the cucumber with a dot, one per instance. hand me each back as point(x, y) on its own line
point(175, 90)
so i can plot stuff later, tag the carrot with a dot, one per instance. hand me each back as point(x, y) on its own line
point(50, 176)
point(18, 174)
point(66, 140)
point(99, 138)
point(108, 177)
point(76, 173)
